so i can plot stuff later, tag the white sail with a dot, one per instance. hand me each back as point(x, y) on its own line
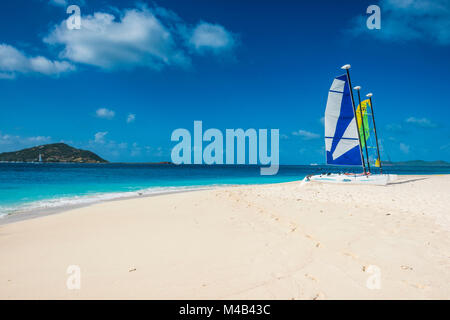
point(341, 134)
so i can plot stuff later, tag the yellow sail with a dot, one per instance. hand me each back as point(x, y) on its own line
point(378, 163)
point(363, 107)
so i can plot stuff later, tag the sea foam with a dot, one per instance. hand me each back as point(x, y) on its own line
point(72, 201)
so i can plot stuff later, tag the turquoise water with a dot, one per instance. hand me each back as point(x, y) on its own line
point(27, 186)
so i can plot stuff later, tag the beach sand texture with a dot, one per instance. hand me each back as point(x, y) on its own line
point(280, 241)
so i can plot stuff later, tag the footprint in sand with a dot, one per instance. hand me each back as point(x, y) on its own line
point(404, 267)
point(274, 217)
point(319, 296)
point(310, 277)
point(415, 285)
point(349, 254)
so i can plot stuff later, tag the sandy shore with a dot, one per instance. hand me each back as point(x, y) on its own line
point(284, 241)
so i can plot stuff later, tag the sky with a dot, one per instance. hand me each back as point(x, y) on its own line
point(136, 71)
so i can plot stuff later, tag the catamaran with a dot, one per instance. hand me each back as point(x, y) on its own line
point(347, 133)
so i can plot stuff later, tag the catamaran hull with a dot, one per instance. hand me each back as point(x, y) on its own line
point(392, 177)
point(376, 179)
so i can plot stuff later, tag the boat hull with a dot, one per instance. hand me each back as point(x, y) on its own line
point(376, 179)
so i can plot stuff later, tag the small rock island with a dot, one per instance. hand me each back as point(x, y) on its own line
point(55, 152)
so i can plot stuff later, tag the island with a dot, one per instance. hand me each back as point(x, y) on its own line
point(55, 152)
point(417, 163)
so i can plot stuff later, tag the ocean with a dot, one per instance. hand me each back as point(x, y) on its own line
point(28, 187)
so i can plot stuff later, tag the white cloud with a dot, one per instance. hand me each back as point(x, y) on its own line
point(306, 134)
point(45, 66)
point(13, 61)
point(421, 122)
point(39, 139)
point(14, 142)
point(406, 20)
point(211, 37)
point(405, 126)
point(135, 150)
point(105, 113)
point(114, 150)
point(404, 148)
point(394, 127)
point(66, 3)
point(159, 152)
point(99, 137)
point(59, 3)
point(135, 39)
point(131, 117)
point(7, 75)
point(142, 37)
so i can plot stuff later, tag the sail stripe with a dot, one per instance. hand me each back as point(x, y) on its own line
point(345, 139)
point(338, 85)
point(344, 146)
point(332, 111)
point(341, 135)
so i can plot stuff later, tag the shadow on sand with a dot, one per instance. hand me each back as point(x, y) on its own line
point(408, 181)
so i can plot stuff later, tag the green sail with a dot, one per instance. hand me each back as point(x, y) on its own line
point(365, 117)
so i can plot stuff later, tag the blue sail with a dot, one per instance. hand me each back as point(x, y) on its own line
point(341, 134)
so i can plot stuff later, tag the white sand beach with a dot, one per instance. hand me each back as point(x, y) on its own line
point(280, 241)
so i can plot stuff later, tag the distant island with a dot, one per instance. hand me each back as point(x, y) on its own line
point(55, 152)
point(417, 163)
point(61, 152)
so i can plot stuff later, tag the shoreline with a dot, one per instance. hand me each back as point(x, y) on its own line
point(272, 241)
point(42, 212)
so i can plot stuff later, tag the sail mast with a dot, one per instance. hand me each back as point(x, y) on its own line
point(346, 68)
point(369, 95)
point(358, 88)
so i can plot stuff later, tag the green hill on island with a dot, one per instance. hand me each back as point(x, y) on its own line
point(55, 152)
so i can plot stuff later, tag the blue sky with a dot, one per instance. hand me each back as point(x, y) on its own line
point(136, 71)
